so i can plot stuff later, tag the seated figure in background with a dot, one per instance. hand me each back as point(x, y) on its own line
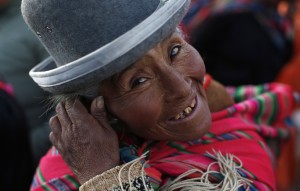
point(16, 164)
point(20, 50)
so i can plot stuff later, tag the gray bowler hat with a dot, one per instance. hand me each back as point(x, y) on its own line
point(90, 40)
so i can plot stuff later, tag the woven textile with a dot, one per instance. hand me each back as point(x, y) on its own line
point(240, 130)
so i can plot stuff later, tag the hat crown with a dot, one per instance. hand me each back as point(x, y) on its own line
point(72, 29)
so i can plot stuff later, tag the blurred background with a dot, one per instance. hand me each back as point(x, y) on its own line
point(242, 42)
point(253, 42)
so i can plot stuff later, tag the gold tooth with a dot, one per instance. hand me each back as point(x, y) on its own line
point(188, 110)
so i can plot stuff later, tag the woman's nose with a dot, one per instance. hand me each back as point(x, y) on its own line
point(176, 86)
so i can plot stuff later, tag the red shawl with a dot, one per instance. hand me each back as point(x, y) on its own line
point(233, 133)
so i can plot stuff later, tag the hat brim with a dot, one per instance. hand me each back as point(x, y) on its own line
point(114, 56)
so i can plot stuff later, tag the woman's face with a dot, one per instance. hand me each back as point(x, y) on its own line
point(161, 96)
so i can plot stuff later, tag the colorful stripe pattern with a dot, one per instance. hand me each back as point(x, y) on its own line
point(232, 131)
point(53, 174)
point(268, 104)
point(63, 183)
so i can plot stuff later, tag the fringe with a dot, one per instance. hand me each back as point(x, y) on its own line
point(142, 173)
point(228, 168)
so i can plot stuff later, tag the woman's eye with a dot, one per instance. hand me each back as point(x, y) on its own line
point(175, 51)
point(138, 82)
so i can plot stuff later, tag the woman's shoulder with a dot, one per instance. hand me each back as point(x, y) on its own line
point(52, 172)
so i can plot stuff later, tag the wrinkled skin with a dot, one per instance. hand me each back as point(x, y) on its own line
point(86, 141)
point(160, 85)
point(146, 97)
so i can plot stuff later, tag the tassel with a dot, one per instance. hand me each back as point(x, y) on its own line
point(228, 168)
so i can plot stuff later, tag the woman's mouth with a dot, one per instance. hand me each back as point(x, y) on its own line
point(186, 112)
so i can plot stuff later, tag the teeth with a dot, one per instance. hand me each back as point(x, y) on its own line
point(188, 110)
point(193, 103)
point(180, 116)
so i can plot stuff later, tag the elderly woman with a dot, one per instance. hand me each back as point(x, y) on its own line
point(134, 104)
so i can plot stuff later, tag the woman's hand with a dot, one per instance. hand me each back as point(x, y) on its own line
point(217, 96)
point(87, 142)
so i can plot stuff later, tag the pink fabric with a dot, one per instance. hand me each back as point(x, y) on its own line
point(257, 164)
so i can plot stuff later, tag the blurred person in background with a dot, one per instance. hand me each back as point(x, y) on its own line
point(20, 50)
point(241, 41)
point(290, 74)
point(16, 163)
point(250, 42)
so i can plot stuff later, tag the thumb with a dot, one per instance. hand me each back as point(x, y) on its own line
point(98, 109)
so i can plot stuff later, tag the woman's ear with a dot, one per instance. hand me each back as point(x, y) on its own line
point(217, 96)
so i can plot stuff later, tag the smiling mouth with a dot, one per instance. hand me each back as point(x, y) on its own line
point(186, 112)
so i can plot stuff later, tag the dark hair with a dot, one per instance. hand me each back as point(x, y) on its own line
point(17, 165)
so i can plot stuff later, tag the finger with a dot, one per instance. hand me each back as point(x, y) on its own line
point(55, 142)
point(76, 110)
point(98, 109)
point(55, 126)
point(63, 116)
point(52, 138)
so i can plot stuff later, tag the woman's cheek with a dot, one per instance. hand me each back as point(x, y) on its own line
point(195, 67)
point(142, 110)
point(146, 113)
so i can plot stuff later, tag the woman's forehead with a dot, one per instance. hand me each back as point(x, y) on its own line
point(176, 34)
